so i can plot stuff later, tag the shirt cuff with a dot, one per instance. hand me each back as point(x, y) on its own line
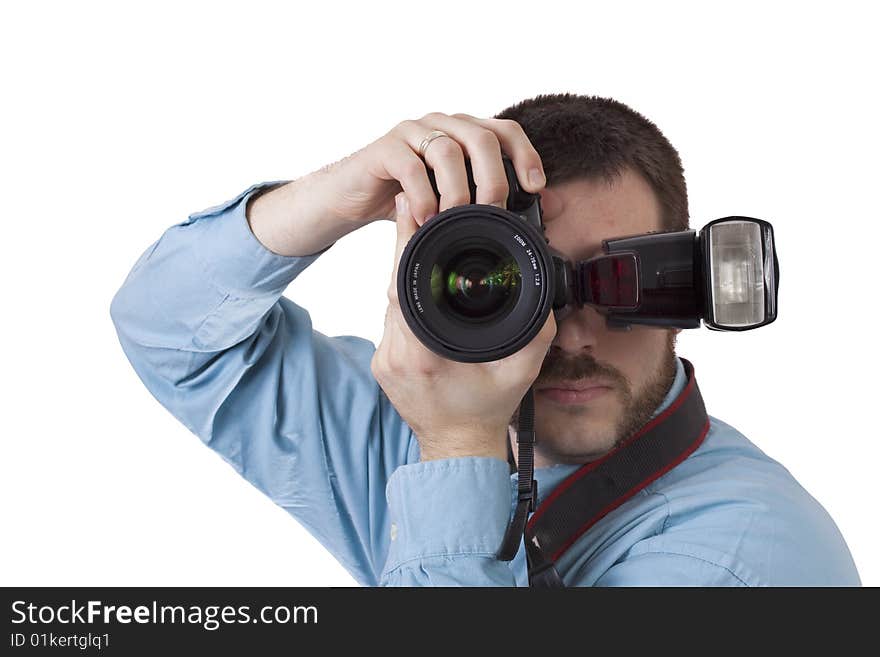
point(445, 507)
point(231, 255)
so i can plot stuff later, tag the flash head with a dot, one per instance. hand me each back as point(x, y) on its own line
point(743, 273)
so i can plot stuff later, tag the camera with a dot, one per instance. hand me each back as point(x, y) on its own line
point(476, 282)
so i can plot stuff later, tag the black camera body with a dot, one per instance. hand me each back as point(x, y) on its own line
point(476, 282)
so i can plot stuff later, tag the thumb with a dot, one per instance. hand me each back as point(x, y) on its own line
point(406, 224)
point(406, 228)
point(532, 356)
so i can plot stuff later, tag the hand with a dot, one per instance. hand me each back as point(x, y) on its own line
point(455, 409)
point(310, 213)
point(362, 187)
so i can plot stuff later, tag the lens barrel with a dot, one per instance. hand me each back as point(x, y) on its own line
point(476, 283)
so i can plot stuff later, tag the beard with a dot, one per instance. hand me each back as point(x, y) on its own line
point(637, 407)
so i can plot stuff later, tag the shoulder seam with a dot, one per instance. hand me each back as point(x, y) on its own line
point(708, 561)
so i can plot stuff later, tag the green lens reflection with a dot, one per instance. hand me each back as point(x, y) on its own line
point(476, 284)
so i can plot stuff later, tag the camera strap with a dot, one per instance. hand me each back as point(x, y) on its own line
point(527, 487)
point(598, 487)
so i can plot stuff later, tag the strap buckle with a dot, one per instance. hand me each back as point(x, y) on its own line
point(530, 495)
point(525, 436)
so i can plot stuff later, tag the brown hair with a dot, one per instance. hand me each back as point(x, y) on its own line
point(588, 137)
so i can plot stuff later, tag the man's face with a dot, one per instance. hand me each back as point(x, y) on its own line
point(637, 366)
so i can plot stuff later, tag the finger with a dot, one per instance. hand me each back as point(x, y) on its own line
point(401, 163)
point(403, 351)
point(389, 344)
point(445, 157)
point(483, 150)
point(479, 144)
point(531, 357)
point(548, 332)
point(406, 224)
point(406, 228)
point(516, 144)
point(419, 358)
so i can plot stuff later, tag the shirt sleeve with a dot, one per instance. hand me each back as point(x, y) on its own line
point(448, 519)
point(203, 322)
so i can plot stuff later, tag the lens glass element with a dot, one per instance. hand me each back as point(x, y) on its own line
point(475, 282)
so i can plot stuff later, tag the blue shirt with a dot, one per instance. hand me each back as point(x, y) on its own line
point(202, 319)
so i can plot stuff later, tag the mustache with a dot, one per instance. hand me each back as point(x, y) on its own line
point(555, 369)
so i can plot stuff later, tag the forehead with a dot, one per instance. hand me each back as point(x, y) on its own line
point(579, 214)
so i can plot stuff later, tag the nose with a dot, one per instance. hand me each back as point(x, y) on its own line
point(579, 330)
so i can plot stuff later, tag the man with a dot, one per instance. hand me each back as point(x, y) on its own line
point(396, 458)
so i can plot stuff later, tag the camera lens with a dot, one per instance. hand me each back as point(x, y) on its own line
point(475, 283)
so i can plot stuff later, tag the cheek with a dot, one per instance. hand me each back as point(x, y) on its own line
point(636, 353)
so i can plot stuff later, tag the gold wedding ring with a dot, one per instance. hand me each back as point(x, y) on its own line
point(431, 136)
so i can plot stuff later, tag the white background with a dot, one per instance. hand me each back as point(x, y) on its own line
point(117, 122)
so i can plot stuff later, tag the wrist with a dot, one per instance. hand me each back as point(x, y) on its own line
point(453, 447)
point(289, 221)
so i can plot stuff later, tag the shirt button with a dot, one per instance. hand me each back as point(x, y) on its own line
point(393, 532)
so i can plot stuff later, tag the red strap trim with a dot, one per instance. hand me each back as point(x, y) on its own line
point(635, 489)
point(592, 465)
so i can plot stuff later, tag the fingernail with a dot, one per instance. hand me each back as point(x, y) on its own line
point(400, 203)
point(536, 177)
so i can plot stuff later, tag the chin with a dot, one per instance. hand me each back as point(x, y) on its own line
point(571, 455)
point(575, 442)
